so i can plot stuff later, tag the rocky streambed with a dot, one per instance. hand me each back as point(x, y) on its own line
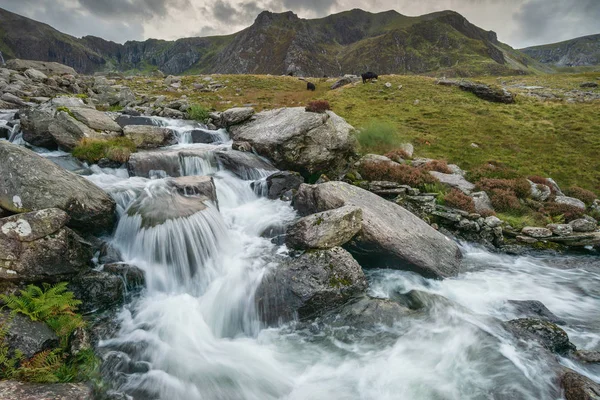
point(208, 272)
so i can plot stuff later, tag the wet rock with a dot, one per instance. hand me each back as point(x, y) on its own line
point(535, 232)
point(37, 246)
point(578, 387)
point(367, 313)
point(109, 254)
point(71, 164)
point(203, 136)
point(293, 139)
point(535, 309)
point(94, 119)
point(15, 390)
point(454, 181)
point(31, 182)
point(27, 336)
point(68, 132)
point(282, 185)
point(560, 229)
point(570, 201)
point(326, 229)
point(244, 165)
point(148, 137)
point(585, 224)
point(308, 286)
point(126, 120)
point(591, 357)
point(171, 161)
point(133, 276)
point(545, 333)
point(35, 123)
point(97, 290)
point(242, 146)
point(391, 236)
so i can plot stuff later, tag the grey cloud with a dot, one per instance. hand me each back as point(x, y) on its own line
point(315, 7)
point(139, 9)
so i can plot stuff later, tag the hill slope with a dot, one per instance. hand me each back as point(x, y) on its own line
point(579, 52)
point(348, 42)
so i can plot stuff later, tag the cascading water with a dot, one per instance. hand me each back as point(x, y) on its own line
point(194, 332)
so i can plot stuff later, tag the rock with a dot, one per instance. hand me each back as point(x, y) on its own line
point(554, 186)
point(31, 182)
point(539, 192)
point(535, 232)
point(68, 102)
point(545, 333)
point(293, 139)
point(526, 239)
point(97, 290)
point(592, 357)
point(366, 313)
point(578, 240)
point(585, 224)
point(578, 387)
point(535, 309)
point(37, 246)
point(48, 68)
point(27, 336)
point(133, 276)
point(242, 146)
point(148, 137)
point(388, 85)
point(482, 202)
point(391, 236)
point(15, 390)
point(560, 229)
point(35, 123)
point(247, 166)
point(326, 229)
point(589, 85)
point(35, 75)
point(174, 162)
point(493, 221)
point(11, 98)
point(94, 119)
point(346, 80)
point(205, 136)
point(282, 185)
point(485, 92)
point(71, 164)
point(68, 132)
point(124, 120)
point(234, 116)
point(309, 285)
point(454, 181)
point(171, 113)
point(408, 148)
point(571, 201)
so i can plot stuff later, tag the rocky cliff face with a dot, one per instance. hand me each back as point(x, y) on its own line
point(580, 52)
point(349, 42)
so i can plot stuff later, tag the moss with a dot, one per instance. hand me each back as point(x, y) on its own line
point(546, 245)
point(65, 109)
point(319, 221)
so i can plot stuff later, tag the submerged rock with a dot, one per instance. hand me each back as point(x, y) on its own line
point(367, 313)
point(244, 165)
point(545, 333)
point(391, 236)
point(30, 182)
point(296, 140)
point(535, 309)
point(308, 286)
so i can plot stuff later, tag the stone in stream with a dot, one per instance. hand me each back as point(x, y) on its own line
point(27, 336)
point(148, 137)
point(535, 309)
point(94, 119)
point(15, 390)
point(391, 236)
point(126, 120)
point(326, 229)
point(97, 290)
point(30, 182)
point(37, 246)
point(578, 387)
point(232, 117)
point(545, 333)
point(367, 313)
point(68, 132)
point(309, 285)
point(35, 124)
point(282, 185)
point(300, 141)
point(244, 165)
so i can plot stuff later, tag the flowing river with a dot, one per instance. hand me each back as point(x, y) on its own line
point(194, 332)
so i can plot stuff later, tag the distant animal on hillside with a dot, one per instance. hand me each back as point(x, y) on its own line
point(310, 86)
point(291, 73)
point(369, 76)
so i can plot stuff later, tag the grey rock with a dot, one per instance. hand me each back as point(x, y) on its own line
point(280, 184)
point(171, 113)
point(67, 101)
point(539, 192)
point(149, 136)
point(555, 187)
point(234, 116)
point(71, 164)
point(124, 120)
point(35, 123)
point(454, 181)
point(346, 80)
point(545, 333)
point(27, 336)
point(97, 290)
point(35, 75)
point(31, 182)
point(247, 166)
point(585, 224)
point(68, 132)
point(485, 92)
point(591, 357)
point(204, 136)
point(173, 162)
point(578, 387)
point(133, 276)
point(11, 98)
point(536, 232)
point(493, 221)
point(14, 390)
point(560, 229)
point(296, 140)
point(307, 286)
point(571, 201)
point(589, 85)
point(482, 202)
point(242, 146)
point(94, 119)
point(37, 246)
point(526, 239)
point(390, 237)
point(48, 68)
point(366, 313)
point(326, 229)
point(534, 309)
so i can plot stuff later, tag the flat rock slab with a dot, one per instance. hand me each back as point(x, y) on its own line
point(454, 181)
point(14, 390)
point(95, 119)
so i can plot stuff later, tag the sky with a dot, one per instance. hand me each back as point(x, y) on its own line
point(520, 23)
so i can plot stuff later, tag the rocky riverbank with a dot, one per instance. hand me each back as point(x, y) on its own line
point(357, 214)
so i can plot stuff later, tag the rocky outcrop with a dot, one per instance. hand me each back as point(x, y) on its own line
point(391, 236)
point(30, 182)
point(67, 132)
point(35, 124)
point(454, 181)
point(97, 290)
point(326, 229)
point(485, 92)
point(37, 246)
point(149, 136)
point(94, 119)
point(308, 286)
point(296, 140)
point(48, 68)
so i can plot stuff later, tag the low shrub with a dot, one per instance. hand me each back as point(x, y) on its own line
point(93, 150)
point(318, 106)
point(492, 170)
point(584, 195)
point(198, 113)
point(437, 165)
point(517, 221)
point(519, 187)
point(401, 173)
point(504, 200)
point(568, 212)
point(379, 137)
point(457, 199)
point(398, 155)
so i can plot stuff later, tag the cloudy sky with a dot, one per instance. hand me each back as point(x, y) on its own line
point(519, 23)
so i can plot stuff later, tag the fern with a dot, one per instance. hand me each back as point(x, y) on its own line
point(42, 367)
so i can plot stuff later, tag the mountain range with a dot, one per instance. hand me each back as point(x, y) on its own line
point(280, 43)
point(579, 52)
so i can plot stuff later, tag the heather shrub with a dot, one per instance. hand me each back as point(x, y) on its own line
point(318, 106)
point(519, 187)
point(568, 212)
point(493, 170)
point(457, 199)
point(504, 200)
point(437, 165)
point(584, 195)
point(397, 155)
point(401, 173)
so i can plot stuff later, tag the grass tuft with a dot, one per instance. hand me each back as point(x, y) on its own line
point(115, 149)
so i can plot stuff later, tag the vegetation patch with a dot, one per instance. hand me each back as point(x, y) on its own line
point(198, 113)
point(565, 211)
point(584, 195)
point(379, 137)
point(394, 172)
point(318, 106)
point(65, 109)
point(437, 165)
point(457, 199)
point(93, 150)
point(398, 155)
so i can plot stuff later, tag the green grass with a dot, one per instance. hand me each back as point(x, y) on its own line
point(115, 149)
point(518, 221)
point(198, 113)
point(379, 137)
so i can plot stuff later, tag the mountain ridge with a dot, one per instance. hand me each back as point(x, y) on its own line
point(583, 51)
point(280, 43)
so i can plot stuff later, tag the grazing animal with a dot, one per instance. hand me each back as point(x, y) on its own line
point(369, 76)
point(310, 86)
point(291, 73)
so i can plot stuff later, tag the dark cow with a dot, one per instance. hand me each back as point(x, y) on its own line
point(369, 76)
point(310, 86)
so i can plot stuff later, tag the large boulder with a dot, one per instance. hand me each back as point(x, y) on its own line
point(233, 116)
point(35, 123)
point(367, 313)
point(326, 229)
point(173, 162)
point(37, 246)
point(282, 185)
point(585, 224)
point(68, 132)
point(97, 290)
point(570, 201)
point(95, 119)
point(301, 141)
point(16, 390)
point(391, 236)
point(30, 182)
point(309, 285)
point(48, 68)
point(149, 136)
point(545, 333)
point(579, 387)
point(35, 75)
point(535, 309)
point(27, 336)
